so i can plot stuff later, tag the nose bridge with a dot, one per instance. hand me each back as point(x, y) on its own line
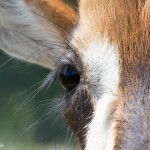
point(134, 118)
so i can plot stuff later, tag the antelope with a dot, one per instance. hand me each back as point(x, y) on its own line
point(101, 56)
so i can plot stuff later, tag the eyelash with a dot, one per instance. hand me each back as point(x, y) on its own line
point(49, 79)
point(53, 75)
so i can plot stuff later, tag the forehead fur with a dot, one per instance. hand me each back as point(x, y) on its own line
point(121, 20)
point(124, 22)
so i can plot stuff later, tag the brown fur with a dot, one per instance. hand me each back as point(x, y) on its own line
point(125, 23)
point(77, 113)
point(56, 11)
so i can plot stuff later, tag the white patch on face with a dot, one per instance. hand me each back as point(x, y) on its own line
point(100, 134)
point(102, 63)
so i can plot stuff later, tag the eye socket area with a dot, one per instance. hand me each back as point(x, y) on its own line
point(69, 77)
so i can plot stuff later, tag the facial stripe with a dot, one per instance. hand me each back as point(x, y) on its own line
point(101, 130)
point(102, 64)
point(101, 61)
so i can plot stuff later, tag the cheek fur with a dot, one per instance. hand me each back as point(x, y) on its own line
point(78, 112)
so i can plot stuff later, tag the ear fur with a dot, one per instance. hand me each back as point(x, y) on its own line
point(35, 30)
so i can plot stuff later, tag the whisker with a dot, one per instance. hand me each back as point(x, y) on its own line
point(68, 140)
point(7, 61)
point(23, 92)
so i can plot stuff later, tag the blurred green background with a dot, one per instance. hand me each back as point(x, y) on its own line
point(26, 122)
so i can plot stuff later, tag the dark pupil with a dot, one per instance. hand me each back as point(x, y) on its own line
point(69, 77)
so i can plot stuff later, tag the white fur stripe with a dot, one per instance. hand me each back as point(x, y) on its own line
point(102, 63)
point(101, 130)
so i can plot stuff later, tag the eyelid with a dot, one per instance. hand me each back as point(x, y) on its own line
point(67, 62)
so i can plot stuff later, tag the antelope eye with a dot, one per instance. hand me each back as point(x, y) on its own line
point(69, 77)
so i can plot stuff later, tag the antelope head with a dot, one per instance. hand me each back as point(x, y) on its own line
point(101, 56)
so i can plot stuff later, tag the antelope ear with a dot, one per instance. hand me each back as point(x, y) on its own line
point(35, 30)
